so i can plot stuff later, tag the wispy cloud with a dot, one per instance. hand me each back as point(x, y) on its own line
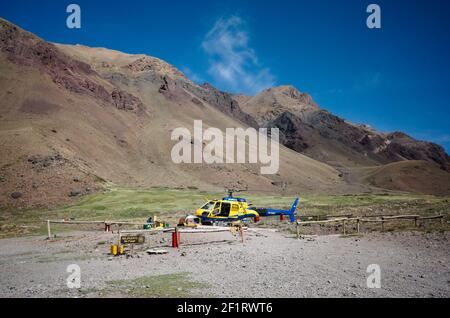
point(368, 82)
point(233, 63)
point(192, 75)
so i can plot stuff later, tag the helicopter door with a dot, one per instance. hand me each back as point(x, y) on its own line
point(225, 209)
point(216, 211)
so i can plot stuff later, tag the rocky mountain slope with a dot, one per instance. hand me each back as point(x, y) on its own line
point(313, 131)
point(74, 119)
point(94, 117)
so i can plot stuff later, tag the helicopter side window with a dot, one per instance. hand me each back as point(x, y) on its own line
point(216, 210)
point(225, 209)
point(208, 206)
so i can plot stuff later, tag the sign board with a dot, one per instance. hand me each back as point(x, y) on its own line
point(132, 239)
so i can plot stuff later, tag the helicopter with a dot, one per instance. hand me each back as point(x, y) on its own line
point(231, 208)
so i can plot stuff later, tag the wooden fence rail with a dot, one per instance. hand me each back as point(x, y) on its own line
point(107, 224)
point(176, 230)
point(319, 217)
point(382, 220)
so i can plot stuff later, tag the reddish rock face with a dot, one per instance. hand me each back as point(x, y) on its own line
point(148, 63)
point(125, 101)
point(303, 133)
point(23, 48)
point(222, 101)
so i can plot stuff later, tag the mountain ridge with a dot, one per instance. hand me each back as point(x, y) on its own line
point(316, 132)
point(304, 102)
point(105, 117)
point(57, 103)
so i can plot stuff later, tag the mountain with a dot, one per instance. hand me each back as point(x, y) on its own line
point(308, 129)
point(75, 119)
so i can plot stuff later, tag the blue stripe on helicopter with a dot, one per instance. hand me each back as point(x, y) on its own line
point(219, 219)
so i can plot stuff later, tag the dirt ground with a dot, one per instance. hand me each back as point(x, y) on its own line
point(268, 264)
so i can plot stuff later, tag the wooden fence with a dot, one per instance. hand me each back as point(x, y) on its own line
point(359, 220)
point(107, 224)
point(174, 230)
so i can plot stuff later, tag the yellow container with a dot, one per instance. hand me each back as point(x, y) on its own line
point(122, 249)
point(114, 250)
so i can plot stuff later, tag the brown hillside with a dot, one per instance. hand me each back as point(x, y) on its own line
point(74, 119)
point(411, 176)
point(108, 116)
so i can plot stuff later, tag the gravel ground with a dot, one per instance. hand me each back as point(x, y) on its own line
point(269, 264)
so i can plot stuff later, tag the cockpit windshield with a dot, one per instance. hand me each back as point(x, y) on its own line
point(208, 206)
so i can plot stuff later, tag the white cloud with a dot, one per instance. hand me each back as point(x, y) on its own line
point(233, 63)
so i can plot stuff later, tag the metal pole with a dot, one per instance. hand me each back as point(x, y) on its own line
point(175, 238)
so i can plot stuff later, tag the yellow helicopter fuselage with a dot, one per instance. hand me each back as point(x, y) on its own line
point(225, 210)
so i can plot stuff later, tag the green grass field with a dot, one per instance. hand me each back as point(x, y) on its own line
point(170, 204)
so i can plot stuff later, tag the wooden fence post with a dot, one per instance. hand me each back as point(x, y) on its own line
point(415, 221)
point(357, 225)
point(343, 226)
point(49, 233)
point(382, 224)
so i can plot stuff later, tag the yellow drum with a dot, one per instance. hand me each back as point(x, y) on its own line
point(114, 250)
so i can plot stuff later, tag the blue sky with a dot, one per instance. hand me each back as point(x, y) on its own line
point(393, 78)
